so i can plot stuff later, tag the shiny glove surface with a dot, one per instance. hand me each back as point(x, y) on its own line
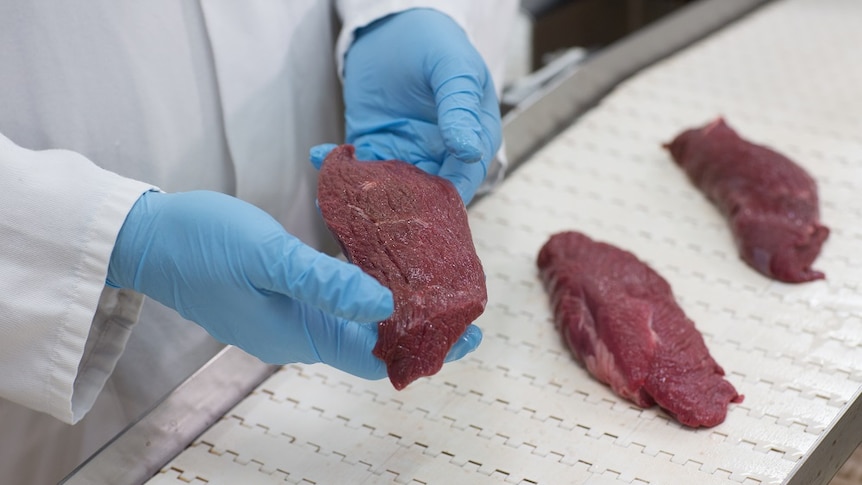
point(232, 269)
point(415, 89)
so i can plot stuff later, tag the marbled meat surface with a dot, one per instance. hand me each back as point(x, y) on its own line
point(620, 320)
point(408, 229)
point(770, 202)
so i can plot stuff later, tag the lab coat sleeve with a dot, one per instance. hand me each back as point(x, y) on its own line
point(488, 23)
point(59, 218)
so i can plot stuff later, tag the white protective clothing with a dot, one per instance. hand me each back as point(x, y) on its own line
point(104, 99)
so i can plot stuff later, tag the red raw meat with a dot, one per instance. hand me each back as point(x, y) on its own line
point(770, 202)
point(408, 229)
point(620, 320)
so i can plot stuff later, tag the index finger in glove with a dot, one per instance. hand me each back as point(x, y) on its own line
point(335, 286)
point(466, 177)
point(348, 346)
point(318, 154)
point(467, 110)
point(466, 343)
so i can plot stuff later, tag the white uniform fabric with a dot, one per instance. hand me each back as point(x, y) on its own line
point(103, 100)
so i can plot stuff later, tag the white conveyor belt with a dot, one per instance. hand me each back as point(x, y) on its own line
point(519, 410)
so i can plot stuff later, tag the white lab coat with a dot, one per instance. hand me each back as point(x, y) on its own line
point(81, 138)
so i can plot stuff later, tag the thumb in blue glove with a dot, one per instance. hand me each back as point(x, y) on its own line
point(232, 269)
point(415, 89)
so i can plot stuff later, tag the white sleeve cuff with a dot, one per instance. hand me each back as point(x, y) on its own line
point(59, 219)
point(488, 24)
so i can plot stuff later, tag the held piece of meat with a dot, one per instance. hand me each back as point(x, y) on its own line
point(620, 320)
point(409, 230)
point(770, 202)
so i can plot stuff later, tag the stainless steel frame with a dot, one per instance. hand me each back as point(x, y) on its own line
point(552, 107)
point(142, 450)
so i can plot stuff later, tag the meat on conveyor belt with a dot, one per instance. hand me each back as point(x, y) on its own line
point(621, 321)
point(769, 201)
point(409, 230)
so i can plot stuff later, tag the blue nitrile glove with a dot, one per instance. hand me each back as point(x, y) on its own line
point(415, 89)
point(231, 268)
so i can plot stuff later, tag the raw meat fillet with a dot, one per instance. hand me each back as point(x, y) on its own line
point(409, 230)
point(769, 201)
point(620, 320)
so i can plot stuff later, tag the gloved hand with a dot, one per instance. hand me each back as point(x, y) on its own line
point(415, 89)
point(232, 269)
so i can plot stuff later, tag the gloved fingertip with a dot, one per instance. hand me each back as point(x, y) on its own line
point(369, 368)
point(318, 153)
point(385, 306)
point(472, 336)
point(351, 350)
point(466, 195)
point(364, 153)
point(465, 187)
point(466, 343)
point(466, 177)
point(464, 144)
point(373, 302)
